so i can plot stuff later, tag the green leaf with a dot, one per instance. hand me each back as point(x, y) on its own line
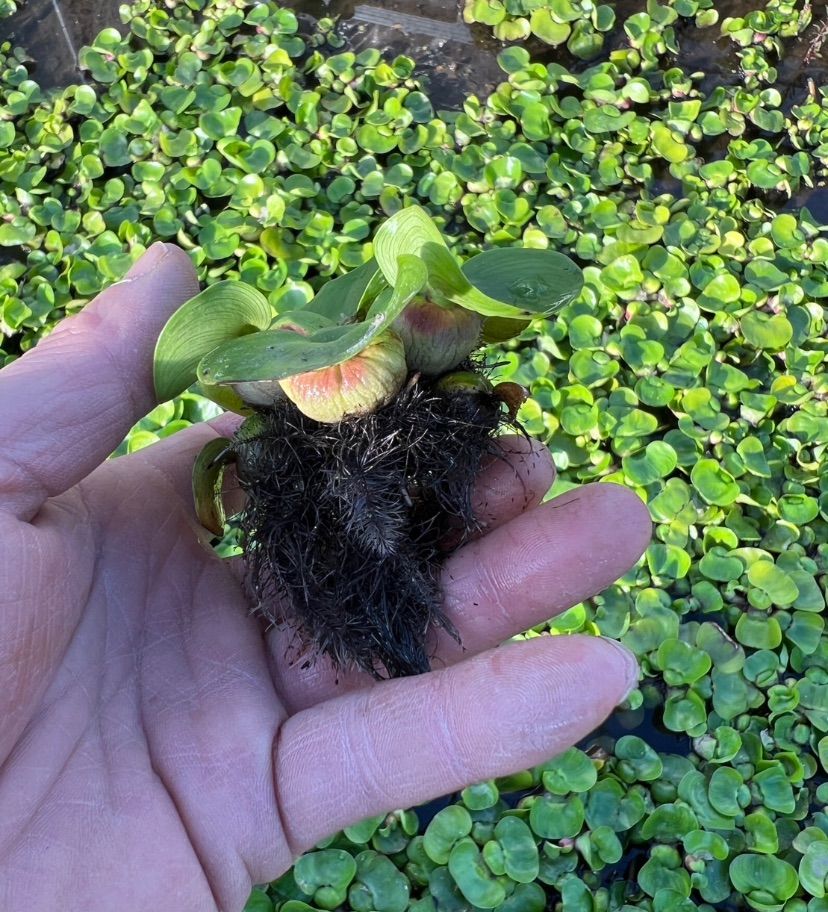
point(445, 829)
point(547, 29)
point(682, 663)
point(550, 283)
point(259, 902)
point(480, 796)
point(339, 300)
point(277, 354)
point(623, 274)
point(727, 791)
point(763, 879)
point(773, 581)
point(758, 631)
point(766, 331)
point(379, 886)
point(714, 483)
point(638, 760)
point(813, 869)
point(519, 849)
point(536, 282)
point(669, 822)
point(572, 771)
point(17, 232)
point(668, 561)
point(325, 876)
point(776, 789)
point(556, 818)
point(656, 462)
point(223, 311)
point(471, 875)
point(668, 144)
point(208, 474)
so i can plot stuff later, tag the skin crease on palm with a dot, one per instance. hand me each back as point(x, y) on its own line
point(159, 750)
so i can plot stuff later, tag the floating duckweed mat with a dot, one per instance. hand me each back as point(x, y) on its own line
point(691, 368)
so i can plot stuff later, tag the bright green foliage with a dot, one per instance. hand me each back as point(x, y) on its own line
point(691, 368)
point(579, 24)
point(227, 338)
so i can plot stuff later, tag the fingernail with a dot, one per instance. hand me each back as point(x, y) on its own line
point(630, 665)
point(148, 262)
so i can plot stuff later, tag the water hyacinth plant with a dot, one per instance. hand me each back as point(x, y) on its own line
point(367, 420)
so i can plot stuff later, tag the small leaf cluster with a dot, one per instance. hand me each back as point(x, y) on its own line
point(579, 24)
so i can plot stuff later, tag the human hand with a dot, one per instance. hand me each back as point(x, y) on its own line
point(157, 749)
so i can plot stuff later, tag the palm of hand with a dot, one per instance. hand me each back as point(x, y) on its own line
point(155, 745)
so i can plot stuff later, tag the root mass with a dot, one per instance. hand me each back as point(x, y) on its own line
point(347, 525)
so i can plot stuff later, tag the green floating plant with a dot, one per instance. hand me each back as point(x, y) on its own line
point(414, 288)
point(380, 356)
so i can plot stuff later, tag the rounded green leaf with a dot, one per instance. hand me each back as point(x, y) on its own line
point(547, 29)
point(362, 832)
point(773, 581)
point(761, 833)
point(714, 483)
point(445, 829)
point(723, 289)
point(519, 849)
point(480, 796)
point(535, 282)
point(727, 791)
point(379, 886)
point(556, 818)
point(325, 876)
point(758, 631)
point(669, 823)
point(813, 869)
point(656, 462)
point(767, 331)
point(763, 878)
point(221, 312)
point(472, 876)
point(637, 760)
point(682, 663)
point(572, 771)
point(259, 902)
point(668, 144)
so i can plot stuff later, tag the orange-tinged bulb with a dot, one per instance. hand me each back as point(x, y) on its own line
point(358, 386)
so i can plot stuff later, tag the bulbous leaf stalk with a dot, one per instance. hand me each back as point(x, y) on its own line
point(358, 386)
point(437, 336)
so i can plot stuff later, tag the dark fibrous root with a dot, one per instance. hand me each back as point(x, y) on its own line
point(346, 525)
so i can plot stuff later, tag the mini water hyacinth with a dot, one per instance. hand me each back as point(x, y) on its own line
point(367, 420)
